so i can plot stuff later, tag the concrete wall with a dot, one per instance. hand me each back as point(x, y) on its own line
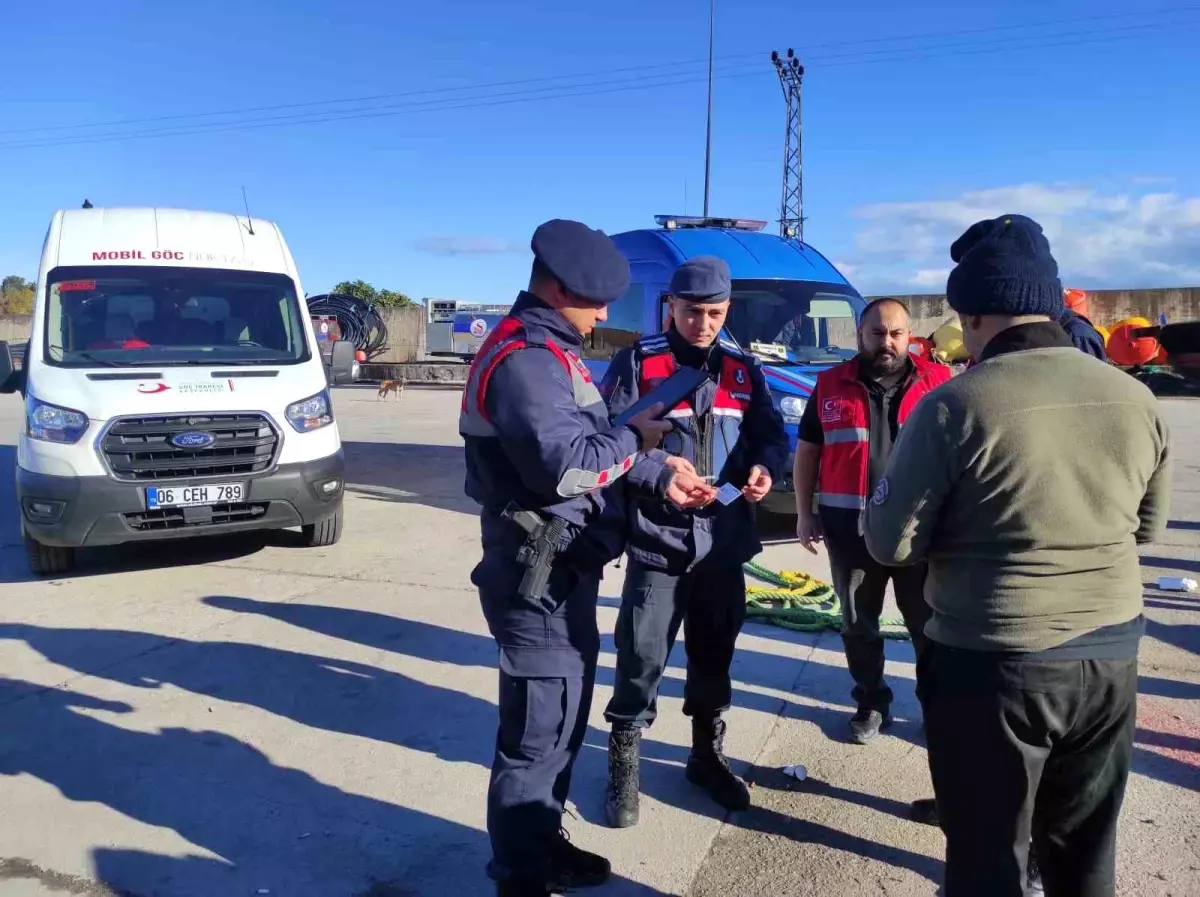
point(14, 328)
point(406, 335)
point(1106, 307)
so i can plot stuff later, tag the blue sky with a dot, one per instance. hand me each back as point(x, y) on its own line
point(918, 120)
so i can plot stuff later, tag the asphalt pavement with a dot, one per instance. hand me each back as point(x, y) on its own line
point(249, 716)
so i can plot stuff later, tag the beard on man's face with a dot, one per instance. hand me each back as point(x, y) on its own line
point(881, 362)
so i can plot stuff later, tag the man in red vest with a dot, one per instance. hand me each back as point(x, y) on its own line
point(846, 435)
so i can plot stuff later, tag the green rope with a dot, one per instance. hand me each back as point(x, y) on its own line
point(801, 603)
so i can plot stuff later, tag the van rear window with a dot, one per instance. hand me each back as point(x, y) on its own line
point(138, 315)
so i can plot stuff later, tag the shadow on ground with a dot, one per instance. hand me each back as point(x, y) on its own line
point(270, 827)
point(404, 473)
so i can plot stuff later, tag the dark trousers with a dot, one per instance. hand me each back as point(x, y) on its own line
point(861, 583)
point(1021, 747)
point(710, 603)
point(548, 655)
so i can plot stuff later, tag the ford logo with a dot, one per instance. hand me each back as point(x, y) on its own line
point(193, 440)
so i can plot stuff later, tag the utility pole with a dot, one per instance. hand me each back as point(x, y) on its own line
point(712, 9)
point(791, 205)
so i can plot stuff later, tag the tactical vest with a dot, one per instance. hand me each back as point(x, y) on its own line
point(510, 336)
point(845, 415)
point(730, 402)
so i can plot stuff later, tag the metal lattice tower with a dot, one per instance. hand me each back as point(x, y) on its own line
point(791, 206)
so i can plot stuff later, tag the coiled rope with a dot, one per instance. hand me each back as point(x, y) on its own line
point(802, 603)
point(359, 321)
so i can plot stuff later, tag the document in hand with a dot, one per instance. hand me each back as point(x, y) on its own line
point(670, 393)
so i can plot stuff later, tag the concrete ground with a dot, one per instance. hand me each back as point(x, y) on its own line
point(252, 717)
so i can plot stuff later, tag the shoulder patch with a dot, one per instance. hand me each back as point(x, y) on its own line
point(881, 492)
point(653, 345)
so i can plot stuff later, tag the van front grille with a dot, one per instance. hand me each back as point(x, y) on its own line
point(178, 518)
point(139, 449)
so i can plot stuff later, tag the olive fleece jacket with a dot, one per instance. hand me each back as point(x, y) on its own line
point(1027, 483)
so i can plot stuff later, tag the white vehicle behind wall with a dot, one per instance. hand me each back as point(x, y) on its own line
point(173, 387)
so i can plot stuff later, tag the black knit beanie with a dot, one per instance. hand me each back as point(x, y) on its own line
point(1004, 267)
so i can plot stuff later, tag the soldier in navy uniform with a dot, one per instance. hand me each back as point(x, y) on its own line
point(685, 565)
point(538, 439)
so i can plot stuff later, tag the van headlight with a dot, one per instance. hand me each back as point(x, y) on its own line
point(792, 408)
point(311, 413)
point(51, 423)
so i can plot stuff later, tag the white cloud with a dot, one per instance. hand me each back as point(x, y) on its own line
point(1099, 238)
point(929, 277)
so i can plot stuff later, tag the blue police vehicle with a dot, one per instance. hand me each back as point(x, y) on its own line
point(791, 308)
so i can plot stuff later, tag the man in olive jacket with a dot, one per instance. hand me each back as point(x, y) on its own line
point(1027, 484)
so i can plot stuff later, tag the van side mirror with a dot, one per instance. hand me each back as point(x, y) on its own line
point(10, 377)
point(341, 363)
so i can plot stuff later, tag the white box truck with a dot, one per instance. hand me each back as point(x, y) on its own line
point(173, 387)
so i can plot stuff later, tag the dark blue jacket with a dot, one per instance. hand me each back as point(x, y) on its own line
point(661, 535)
point(541, 438)
point(1083, 334)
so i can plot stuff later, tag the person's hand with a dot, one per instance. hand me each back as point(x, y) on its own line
point(649, 428)
point(689, 491)
point(808, 531)
point(680, 464)
point(758, 485)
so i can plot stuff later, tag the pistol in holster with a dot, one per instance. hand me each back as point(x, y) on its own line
point(542, 541)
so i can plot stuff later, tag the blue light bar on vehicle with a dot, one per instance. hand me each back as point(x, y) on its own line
point(677, 222)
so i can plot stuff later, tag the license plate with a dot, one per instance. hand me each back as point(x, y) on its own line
point(193, 496)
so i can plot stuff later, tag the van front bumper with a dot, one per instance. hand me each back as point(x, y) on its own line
point(77, 512)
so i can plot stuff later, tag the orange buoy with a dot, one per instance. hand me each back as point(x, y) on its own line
point(1076, 301)
point(1127, 350)
point(360, 356)
point(1162, 359)
point(920, 346)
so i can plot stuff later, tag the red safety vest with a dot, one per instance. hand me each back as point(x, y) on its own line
point(732, 398)
point(507, 337)
point(845, 415)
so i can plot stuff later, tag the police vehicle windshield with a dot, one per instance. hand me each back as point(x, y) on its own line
point(794, 321)
point(136, 315)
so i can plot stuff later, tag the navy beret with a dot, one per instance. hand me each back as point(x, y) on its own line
point(702, 279)
point(586, 262)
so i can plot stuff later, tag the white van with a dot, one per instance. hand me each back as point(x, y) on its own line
point(173, 387)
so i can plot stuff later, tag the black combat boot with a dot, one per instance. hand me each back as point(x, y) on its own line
point(573, 867)
point(708, 768)
point(621, 794)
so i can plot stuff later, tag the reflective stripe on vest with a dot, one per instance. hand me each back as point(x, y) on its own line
point(845, 415)
point(508, 337)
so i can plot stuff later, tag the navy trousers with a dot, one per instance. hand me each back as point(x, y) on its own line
point(710, 603)
point(548, 654)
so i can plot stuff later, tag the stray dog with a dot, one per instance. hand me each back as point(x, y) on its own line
point(396, 386)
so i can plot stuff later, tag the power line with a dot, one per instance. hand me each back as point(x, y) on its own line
point(803, 50)
point(605, 87)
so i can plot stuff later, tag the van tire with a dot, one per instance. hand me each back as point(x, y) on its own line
point(48, 560)
point(323, 532)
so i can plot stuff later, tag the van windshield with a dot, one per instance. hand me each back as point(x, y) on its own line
point(135, 316)
point(794, 320)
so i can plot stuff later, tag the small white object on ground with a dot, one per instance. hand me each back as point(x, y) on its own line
point(797, 772)
point(1176, 584)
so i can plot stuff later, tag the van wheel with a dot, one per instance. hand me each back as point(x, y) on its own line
point(323, 532)
point(48, 560)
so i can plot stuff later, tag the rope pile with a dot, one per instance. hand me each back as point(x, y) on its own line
point(801, 602)
point(359, 321)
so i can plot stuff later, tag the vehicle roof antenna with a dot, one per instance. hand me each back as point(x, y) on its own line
point(249, 221)
point(87, 204)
